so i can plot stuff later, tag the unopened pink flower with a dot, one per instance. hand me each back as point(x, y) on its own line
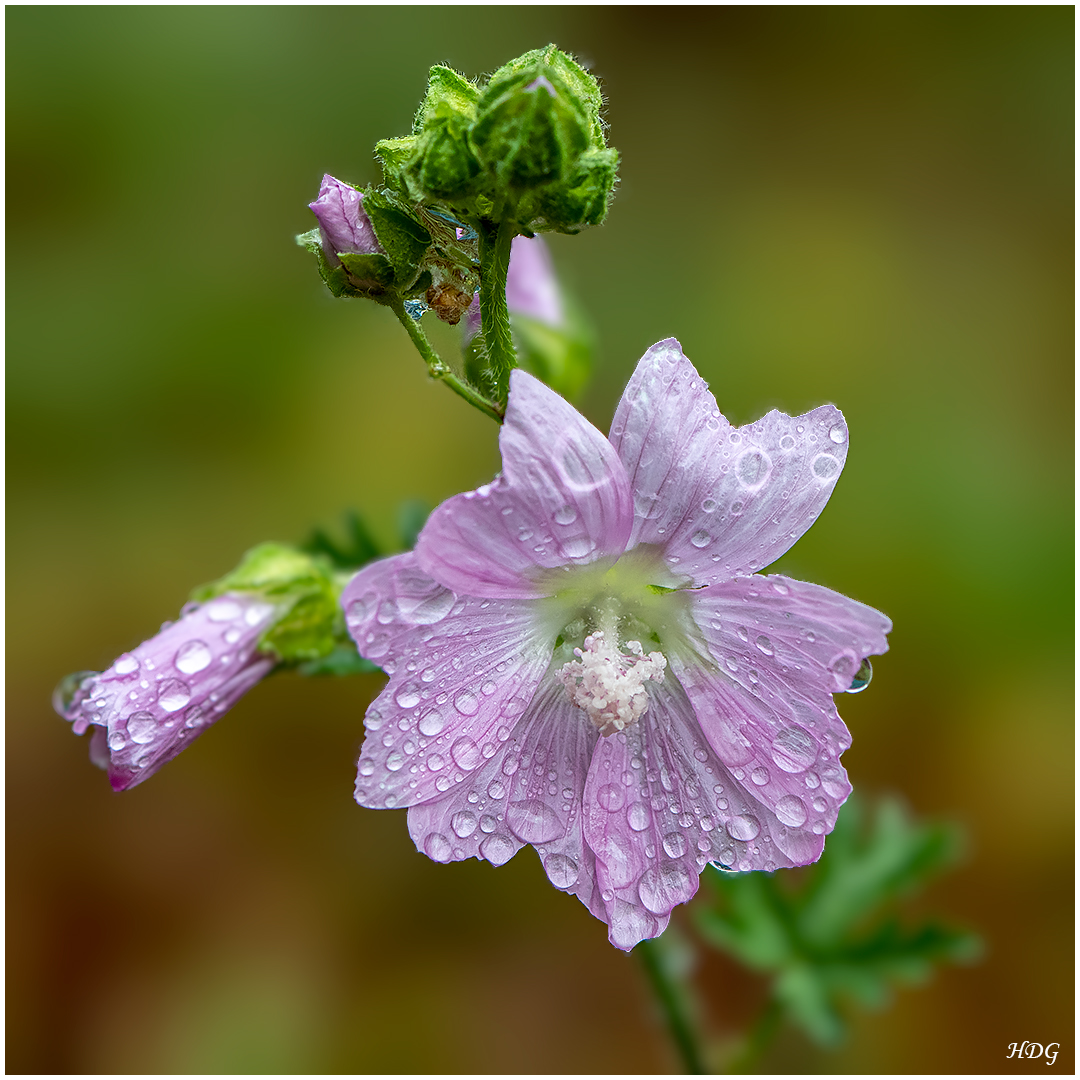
point(343, 223)
point(583, 658)
point(157, 699)
point(531, 287)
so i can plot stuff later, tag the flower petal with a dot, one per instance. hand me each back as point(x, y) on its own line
point(721, 501)
point(562, 499)
point(156, 700)
point(659, 804)
point(768, 711)
point(530, 792)
point(462, 671)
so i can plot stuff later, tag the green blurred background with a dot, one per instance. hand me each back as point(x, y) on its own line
point(870, 206)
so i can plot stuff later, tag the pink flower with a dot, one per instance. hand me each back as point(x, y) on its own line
point(157, 699)
point(582, 656)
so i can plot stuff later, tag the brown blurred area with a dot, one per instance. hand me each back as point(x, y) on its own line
point(871, 206)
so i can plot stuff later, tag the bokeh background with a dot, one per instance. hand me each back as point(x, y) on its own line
point(870, 206)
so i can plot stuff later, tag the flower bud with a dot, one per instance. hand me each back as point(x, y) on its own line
point(278, 606)
point(343, 224)
point(443, 163)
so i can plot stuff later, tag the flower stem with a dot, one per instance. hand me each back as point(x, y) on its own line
point(672, 1003)
point(757, 1039)
point(494, 243)
point(439, 369)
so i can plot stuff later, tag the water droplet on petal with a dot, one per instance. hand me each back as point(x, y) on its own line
point(173, 694)
point(142, 727)
point(466, 703)
point(534, 821)
point(497, 849)
point(639, 817)
point(837, 434)
point(791, 811)
point(431, 723)
point(675, 845)
point(760, 776)
point(743, 827)
point(764, 644)
point(752, 468)
point(708, 505)
point(126, 665)
point(117, 740)
point(826, 466)
point(662, 887)
point(862, 677)
point(408, 697)
point(193, 656)
point(562, 871)
point(700, 539)
point(567, 515)
point(465, 752)
point(437, 847)
point(463, 823)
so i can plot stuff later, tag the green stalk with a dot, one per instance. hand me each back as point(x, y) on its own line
point(672, 1005)
point(757, 1040)
point(494, 242)
point(438, 369)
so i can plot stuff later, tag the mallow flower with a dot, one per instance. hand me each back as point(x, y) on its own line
point(584, 658)
point(343, 224)
point(157, 699)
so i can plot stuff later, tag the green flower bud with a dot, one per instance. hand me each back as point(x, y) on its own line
point(305, 590)
point(442, 164)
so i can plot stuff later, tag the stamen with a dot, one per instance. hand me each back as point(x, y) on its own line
point(610, 685)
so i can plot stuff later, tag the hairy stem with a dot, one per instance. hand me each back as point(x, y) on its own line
point(494, 241)
point(439, 369)
point(672, 1000)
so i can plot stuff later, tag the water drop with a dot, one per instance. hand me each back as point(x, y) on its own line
point(820, 805)
point(639, 817)
point(463, 823)
point(408, 697)
point(791, 811)
point(561, 870)
point(435, 762)
point(862, 677)
point(437, 847)
point(764, 644)
point(173, 694)
point(465, 753)
point(126, 665)
point(787, 443)
point(430, 723)
point(415, 310)
point(610, 796)
point(117, 740)
point(837, 434)
point(142, 727)
point(700, 538)
point(812, 780)
point(825, 466)
point(709, 505)
point(534, 821)
point(497, 849)
point(753, 468)
point(466, 703)
point(675, 845)
point(222, 610)
point(743, 827)
point(794, 749)
point(567, 515)
point(760, 776)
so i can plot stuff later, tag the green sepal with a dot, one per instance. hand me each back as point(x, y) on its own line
point(402, 237)
point(585, 196)
point(335, 277)
point(343, 659)
point(369, 274)
point(303, 587)
point(394, 155)
point(449, 94)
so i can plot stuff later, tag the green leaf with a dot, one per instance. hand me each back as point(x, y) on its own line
point(367, 273)
point(833, 933)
